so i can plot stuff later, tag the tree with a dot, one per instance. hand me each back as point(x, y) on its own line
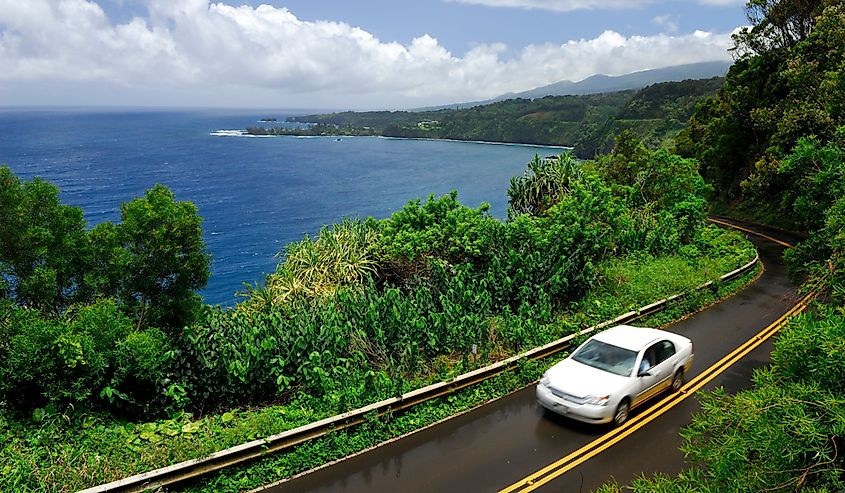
point(772, 97)
point(152, 262)
point(777, 25)
point(656, 176)
point(167, 258)
point(39, 243)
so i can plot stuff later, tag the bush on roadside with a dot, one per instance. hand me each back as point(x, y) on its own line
point(92, 358)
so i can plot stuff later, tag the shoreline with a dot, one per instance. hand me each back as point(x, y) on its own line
point(243, 133)
point(489, 142)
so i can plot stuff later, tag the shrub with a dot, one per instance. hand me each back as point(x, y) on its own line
point(91, 357)
point(441, 228)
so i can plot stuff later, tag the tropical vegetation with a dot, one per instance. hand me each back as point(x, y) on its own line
point(772, 142)
point(108, 356)
point(365, 310)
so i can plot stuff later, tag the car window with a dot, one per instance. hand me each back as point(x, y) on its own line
point(649, 358)
point(606, 357)
point(663, 350)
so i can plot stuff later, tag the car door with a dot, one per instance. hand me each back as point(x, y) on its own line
point(647, 379)
point(658, 375)
point(665, 352)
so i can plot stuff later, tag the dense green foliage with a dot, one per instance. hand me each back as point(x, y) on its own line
point(589, 123)
point(778, 92)
point(79, 306)
point(773, 144)
point(772, 141)
point(152, 261)
point(165, 261)
point(42, 245)
point(91, 356)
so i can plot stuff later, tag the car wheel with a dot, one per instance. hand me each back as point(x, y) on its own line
point(678, 380)
point(621, 414)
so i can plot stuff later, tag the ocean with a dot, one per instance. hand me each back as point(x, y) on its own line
point(255, 195)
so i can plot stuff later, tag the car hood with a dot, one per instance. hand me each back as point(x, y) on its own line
point(580, 380)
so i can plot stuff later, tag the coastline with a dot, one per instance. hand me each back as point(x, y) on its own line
point(517, 144)
point(244, 133)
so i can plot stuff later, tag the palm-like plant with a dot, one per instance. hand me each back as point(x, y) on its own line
point(344, 254)
point(543, 184)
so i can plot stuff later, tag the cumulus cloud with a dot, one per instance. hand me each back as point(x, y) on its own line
point(267, 52)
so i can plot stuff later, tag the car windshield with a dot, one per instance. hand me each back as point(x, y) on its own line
point(606, 357)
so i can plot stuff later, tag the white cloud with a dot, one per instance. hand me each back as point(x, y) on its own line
point(196, 53)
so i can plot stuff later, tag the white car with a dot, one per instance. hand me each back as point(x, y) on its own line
point(614, 371)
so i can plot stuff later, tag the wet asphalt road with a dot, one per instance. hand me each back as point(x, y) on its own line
point(499, 444)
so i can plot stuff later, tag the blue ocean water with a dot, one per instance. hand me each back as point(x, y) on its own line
point(255, 195)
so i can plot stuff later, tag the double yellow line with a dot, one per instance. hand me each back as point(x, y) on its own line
point(756, 233)
point(604, 442)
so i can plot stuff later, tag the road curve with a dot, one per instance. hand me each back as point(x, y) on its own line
point(502, 443)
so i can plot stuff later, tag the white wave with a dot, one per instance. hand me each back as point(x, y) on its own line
point(228, 133)
point(237, 133)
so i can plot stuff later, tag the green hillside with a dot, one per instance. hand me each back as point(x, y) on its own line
point(588, 123)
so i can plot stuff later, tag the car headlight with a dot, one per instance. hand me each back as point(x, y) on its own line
point(545, 380)
point(599, 400)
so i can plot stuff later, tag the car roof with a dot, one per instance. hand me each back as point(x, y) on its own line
point(633, 338)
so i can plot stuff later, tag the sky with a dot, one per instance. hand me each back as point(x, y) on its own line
point(338, 54)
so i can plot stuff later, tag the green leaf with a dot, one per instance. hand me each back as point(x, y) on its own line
point(191, 427)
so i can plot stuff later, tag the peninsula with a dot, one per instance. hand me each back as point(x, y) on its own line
point(587, 123)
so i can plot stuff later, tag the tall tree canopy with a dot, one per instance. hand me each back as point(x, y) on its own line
point(777, 25)
point(152, 262)
point(40, 243)
point(772, 97)
point(167, 258)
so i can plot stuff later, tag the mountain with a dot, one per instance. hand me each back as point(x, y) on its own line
point(599, 83)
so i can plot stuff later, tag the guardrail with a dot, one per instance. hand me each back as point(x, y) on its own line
point(259, 448)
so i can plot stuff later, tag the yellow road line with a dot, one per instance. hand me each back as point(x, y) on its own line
point(597, 446)
point(734, 226)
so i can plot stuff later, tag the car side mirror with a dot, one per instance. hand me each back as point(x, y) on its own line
point(644, 373)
